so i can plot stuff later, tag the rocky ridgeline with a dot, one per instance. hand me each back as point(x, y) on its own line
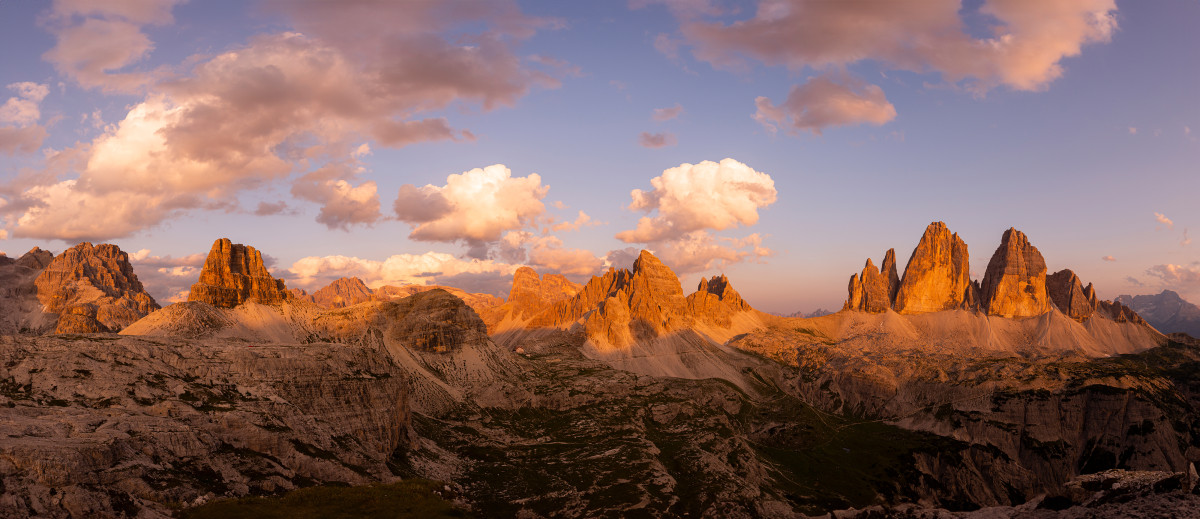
point(341, 293)
point(1166, 311)
point(234, 274)
point(621, 308)
point(93, 289)
point(345, 292)
point(1015, 284)
point(87, 289)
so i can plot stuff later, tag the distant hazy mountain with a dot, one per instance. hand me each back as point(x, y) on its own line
point(1167, 312)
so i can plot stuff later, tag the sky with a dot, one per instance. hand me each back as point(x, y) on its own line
point(781, 142)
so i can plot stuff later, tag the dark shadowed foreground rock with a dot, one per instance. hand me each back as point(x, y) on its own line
point(105, 426)
point(234, 274)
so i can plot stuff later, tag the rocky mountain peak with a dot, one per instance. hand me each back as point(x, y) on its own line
point(37, 258)
point(234, 274)
point(937, 276)
point(93, 289)
point(873, 290)
point(1167, 311)
point(531, 294)
point(1068, 294)
point(1014, 284)
point(341, 293)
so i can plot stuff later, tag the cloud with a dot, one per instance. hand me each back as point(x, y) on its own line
point(656, 140)
point(18, 115)
point(1162, 219)
point(693, 197)
point(1185, 241)
point(22, 109)
point(547, 254)
point(666, 114)
point(700, 251)
point(94, 40)
point(823, 102)
point(251, 116)
point(430, 268)
point(1134, 281)
point(342, 203)
point(272, 208)
point(167, 278)
point(580, 221)
point(476, 206)
point(1132, 130)
point(621, 258)
point(1109, 258)
point(1181, 278)
point(1025, 44)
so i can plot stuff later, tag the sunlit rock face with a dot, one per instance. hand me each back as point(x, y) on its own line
point(874, 290)
point(341, 293)
point(92, 289)
point(937, 276)
point(1014, 284)
point(234, 274)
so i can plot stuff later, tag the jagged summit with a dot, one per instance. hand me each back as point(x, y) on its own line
point(874, 290)
point(937, 276)
point(1014, 284)
point(234, 274)
point(92, 288)
point(1166, 311)
point(341, 293)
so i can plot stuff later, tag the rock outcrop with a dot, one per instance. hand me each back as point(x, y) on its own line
point(937, 276)
point(92, 289)
point(531, 294)
point(125, 427)
point(1166, 311)
point(37, 259)
point(234, 274)
point(20, 310)
point(1070, 296)
point(1014, 284)
point(341, 293)
point(874, 290)
point(716, 302)
point(477, 301)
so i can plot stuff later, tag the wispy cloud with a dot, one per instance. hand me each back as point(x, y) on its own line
point(1162, 219)
point(1109, 258)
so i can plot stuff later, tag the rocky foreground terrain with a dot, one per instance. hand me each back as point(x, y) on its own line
point(929, 395)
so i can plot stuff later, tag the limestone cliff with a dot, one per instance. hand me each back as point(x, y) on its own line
point(1014, 284)
point(1070, 296)
point(937, 276)
point(234, 274)
point(874, 290)
point(531, 294)
point(93, 289)
point(716, 302)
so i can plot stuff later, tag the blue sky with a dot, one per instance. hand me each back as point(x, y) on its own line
point(1071, 121)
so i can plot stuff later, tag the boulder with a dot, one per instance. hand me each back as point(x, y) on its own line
point(1014, 284)
point(937, 276)
point(234, 274)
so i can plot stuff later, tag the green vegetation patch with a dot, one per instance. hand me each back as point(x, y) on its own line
point(410, 498)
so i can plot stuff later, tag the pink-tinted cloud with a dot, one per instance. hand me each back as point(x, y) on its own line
point(666, 114)
point(166, 278)
point(342, 204)
point(823, 102)
point(1184, 279)
point(429, 268)
point(693, 197)
point(699, 251)
point(96, 40)
point(1023, 51)
point(580, 221)
point(272, 208)
point(1108, 258)
point(657, 140)
point(1164, 221)
point(21, 140)
point(547, 254)
point(19, 133)
point(476, 206)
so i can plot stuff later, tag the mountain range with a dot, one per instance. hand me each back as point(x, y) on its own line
point(929, 393)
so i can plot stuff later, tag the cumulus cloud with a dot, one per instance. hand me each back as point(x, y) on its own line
point(691, 200)
point(580, 221)
point(656, 140)
point(826, 101)
point(342, 203)
point(272, 208)
point(666, 114)
point(282, 103)
point(692, 197)
point(1162, 219)
point(1109, 258)
point(547, 254)
point(475, 206)
point(96, 40)
point(14, 140)
point(1023, 50)
point(430, 268)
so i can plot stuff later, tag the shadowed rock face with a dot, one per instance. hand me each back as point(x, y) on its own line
point(1069, 295)
point(93, 289)
point(937, 276)
point(234, 274)
point(1014, 284)
point(341, 293)
point(874, 290)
